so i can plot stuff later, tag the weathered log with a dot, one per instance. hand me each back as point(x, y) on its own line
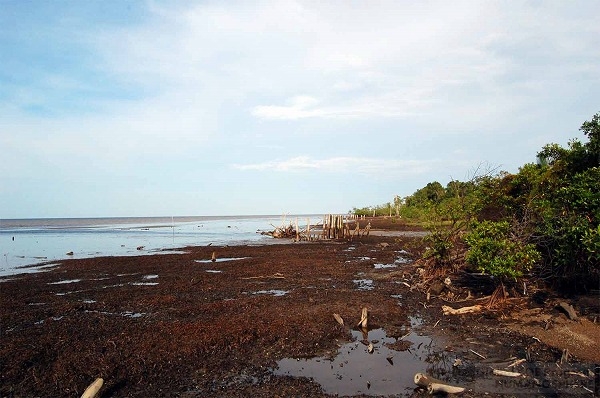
point(505, 373)
point(93, 388)
point(569, 310)
point(422, 380)
point(435, 386)
point(464, 310)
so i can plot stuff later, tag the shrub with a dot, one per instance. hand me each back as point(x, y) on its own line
point(492, 251)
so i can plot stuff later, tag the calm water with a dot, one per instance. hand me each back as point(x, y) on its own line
point(32, 241)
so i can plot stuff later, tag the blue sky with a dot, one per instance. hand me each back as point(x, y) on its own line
point(148, 108)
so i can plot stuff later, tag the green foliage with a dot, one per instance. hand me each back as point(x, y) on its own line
point(440, 246)
point(546, 214)
point(570, 229)
point(492, 250)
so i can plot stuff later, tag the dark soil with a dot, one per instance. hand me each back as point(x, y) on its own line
point(168, 325)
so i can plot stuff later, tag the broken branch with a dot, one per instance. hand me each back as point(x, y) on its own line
point(464, 310)
point(505, 373)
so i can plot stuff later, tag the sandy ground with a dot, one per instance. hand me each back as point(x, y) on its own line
point(182, 325)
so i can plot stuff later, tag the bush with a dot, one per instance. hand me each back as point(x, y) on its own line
point(493, 251)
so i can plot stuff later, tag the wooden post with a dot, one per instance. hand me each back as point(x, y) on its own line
point(297, 231)
point(363, 319)
point(331, 233)
point(308, 229)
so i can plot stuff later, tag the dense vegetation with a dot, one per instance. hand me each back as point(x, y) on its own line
point(542, 221)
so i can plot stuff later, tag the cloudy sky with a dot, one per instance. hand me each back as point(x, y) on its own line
point(148, 108)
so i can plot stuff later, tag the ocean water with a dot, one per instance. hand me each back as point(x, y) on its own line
point(27, 242)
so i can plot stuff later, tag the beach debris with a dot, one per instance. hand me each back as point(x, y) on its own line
point(69, 253)
point(457, 362)
point(478, 354)
point(569, 310)
point(363, 319)
point(367, 229)
point(214, 257)
point(140, 247)
point(506, 373)
point(370, 348)
point(435, 386)
point(517, 362)
point(339, 319)
point(463, 310)
point(93, 389)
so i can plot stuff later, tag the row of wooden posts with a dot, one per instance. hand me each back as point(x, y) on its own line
point(335, 226)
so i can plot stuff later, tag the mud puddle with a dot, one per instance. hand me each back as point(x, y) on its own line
point(355, 370)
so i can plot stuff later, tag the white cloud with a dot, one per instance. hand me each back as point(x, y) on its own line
point(353, 165)
point(216, 81)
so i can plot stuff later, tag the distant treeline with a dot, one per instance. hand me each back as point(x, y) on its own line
point(543, 221)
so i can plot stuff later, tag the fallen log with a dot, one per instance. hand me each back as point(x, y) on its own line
point(93, 388)
point(464, 310)
point(435, 386)
point(506, 373)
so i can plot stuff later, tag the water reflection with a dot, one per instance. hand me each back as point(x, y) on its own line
point(355, 370)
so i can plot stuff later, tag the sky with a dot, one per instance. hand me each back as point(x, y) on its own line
point(161, 108)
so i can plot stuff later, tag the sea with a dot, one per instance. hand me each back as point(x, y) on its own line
point(27, 243)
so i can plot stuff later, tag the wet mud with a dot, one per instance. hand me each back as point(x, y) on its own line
point(260, 323)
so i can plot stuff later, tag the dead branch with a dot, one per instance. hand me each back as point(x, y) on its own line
point(464, 310)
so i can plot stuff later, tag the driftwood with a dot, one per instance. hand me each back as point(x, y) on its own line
point(517, 362)
point(214, 257)
point(505, 373)
point(370, 348)
point(435, 386)
point(93, 388)
point(422, 380)
point(339, 319)
point(363, 319)
point(464, 310)
point(569, 310)
point(478, 354)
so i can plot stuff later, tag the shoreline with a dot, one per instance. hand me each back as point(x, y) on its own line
point(182, 325)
